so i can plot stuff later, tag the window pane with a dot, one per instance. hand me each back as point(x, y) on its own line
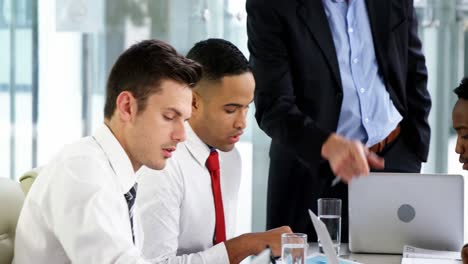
point(5, 69)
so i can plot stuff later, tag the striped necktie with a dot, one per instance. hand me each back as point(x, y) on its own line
point(130, 197)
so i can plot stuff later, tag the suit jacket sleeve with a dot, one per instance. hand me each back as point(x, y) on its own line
point(418, 98)
point(276, 110)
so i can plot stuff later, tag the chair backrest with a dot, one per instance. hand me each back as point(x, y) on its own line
point(27, 179)
point(11, 201)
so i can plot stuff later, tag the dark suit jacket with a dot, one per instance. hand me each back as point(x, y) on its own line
point(299, 94)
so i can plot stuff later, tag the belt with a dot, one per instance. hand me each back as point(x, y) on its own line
point(377, 148)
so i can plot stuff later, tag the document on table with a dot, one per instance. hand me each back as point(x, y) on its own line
point(322, 259)
point(414, 255)
point(429, 261)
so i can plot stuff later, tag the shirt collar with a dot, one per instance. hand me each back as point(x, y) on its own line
point(117, 157)
point(199, 150)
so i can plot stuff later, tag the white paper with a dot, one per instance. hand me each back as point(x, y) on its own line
point(414, 255)
point(414, 252)
point(320, 259)
point(429, 261)
point(325, 239)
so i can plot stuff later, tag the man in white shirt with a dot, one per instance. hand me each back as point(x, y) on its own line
point(460, 124)
point(188, 209)
point(80, 209)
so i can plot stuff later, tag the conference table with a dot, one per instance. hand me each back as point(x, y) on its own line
point(361, 258)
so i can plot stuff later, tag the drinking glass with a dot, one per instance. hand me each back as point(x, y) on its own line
point(329, 212)
point(294, 248)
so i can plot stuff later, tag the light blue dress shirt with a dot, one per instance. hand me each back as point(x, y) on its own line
point(367, 112)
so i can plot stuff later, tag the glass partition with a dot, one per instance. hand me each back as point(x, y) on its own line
point(56, 56)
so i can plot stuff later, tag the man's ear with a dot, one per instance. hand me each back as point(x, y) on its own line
point(195, 101)
point(126, 106)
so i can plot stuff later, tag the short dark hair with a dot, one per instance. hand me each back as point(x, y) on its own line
point(462, 90)
point(141, 69)
point(219, 58)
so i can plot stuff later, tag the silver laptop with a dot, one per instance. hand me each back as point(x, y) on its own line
point(390, 210)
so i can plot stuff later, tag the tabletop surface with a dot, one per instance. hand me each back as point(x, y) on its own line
point(362, 258)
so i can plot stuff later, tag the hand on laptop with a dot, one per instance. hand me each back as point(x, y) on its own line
point(349, 158)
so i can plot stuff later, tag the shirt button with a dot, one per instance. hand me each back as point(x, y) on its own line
point(366, 120)
point(356, 60)
point(362, 90)
point(350, 30)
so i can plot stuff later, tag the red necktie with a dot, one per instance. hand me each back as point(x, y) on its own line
point(212, 163)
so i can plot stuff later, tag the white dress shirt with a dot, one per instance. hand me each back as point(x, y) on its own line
point(76, 211)
point(177, 206)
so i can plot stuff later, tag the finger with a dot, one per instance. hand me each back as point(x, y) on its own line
point(357, 169)
point(276, 251)
point(284, 229)
point(344, 169)
point(337, 164)
point(375, 161)
point(362, 167)
point(465, 166)
point(346, 174)
point(346, 179)
point(349, 168)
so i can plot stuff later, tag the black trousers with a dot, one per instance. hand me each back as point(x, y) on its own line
point(295, 187)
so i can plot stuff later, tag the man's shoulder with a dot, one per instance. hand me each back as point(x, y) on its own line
point(78, 170)
point(83, 158)
point(85, 148)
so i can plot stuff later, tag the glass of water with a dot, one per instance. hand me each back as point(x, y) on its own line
point(329, 211)
point(294, 248)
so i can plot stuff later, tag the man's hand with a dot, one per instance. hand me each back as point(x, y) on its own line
point(273, 239)
point(245, 245)
point(348, 158)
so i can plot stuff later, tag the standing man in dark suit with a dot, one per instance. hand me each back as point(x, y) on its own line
point(337, 82)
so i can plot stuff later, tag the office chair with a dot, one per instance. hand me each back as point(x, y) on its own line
point(11, 197)
point(27, 179)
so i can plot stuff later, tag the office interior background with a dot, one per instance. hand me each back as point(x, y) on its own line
point(56, 54)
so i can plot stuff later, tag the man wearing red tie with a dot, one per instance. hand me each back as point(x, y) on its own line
point(188, 210)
